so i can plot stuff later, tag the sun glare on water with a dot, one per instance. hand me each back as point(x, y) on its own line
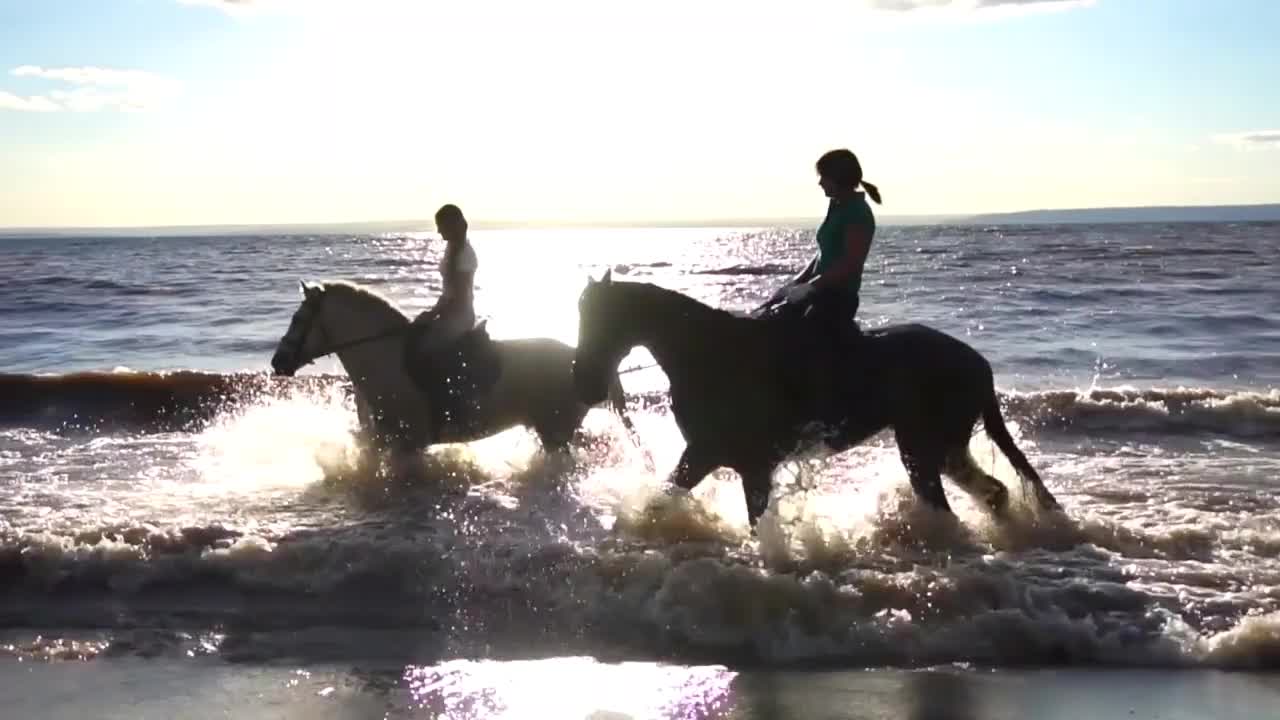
point(570, 687)
point(529, 285)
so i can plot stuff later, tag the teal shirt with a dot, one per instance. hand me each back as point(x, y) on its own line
point(831, 245)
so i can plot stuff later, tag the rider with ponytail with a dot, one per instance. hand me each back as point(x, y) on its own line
point(454, 312)
point(826, 291)
point(830, 283)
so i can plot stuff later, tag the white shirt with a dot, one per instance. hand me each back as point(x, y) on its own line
point(467, 262)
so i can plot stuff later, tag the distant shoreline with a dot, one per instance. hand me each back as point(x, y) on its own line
point(1152, 214)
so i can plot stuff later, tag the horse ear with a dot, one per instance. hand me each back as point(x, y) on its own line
point(302, 286)
point(608, 276)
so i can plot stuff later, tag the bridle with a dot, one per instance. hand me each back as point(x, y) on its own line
point(305, 316)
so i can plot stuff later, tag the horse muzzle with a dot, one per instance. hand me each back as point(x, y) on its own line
point(282, 365)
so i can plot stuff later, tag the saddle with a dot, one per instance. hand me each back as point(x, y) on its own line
point(454, 377)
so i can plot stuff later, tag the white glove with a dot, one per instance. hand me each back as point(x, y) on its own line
point(798, 293)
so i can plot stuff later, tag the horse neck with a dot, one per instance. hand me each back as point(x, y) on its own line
point(682, 333)
point(350, 319)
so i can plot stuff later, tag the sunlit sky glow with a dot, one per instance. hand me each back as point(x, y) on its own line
point(159, 112)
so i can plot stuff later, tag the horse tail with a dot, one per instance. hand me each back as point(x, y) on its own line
point(618, 402)
point(993, 421)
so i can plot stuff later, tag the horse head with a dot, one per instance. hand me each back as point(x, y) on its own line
point(300, 344)
point(604, 338)
point(332, 317)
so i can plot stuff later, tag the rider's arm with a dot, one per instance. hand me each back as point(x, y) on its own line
point(464, 271)
point(802, 276)
point(807, 273)
point(857, 241)
point(459, 278)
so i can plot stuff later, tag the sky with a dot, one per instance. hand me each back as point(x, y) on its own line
point(173, 112)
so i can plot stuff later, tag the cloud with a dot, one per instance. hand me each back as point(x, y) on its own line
point(224, 4)
point(1251, 139)
point(234, 7)
point(95, 76)
point(35, 103)
point(978, 5)
point(93, 89)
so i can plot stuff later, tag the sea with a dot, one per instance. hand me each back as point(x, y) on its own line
point(183, 535)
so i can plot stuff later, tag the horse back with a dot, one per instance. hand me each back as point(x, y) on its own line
point(916, 347)
point(534, 371)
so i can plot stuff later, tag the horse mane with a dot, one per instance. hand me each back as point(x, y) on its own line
point(677, 300)
point(360, 293)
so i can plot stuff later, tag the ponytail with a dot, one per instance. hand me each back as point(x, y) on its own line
point(872, 190)
point(842, 167)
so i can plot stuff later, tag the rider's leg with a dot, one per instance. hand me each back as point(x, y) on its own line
point(447, 325)
point(833, 311)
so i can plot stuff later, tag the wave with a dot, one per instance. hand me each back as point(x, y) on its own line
point(157, 401)
point(742, 270)
point(766, 269)
point(95, 286)
point(1230, 414)
point(1242, 414)
point(185, 399)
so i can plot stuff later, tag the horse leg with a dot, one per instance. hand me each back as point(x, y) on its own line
point(557, 429)
point(757, 483)
point(371, 437)
point(690, 469)
point(923, 457)
point(554, 438)
point(963, 471)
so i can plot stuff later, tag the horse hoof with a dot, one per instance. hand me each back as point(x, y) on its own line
point(999, 504)
point(673, 491)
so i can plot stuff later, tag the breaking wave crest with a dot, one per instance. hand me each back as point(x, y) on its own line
point(183, 399)
point(1237, 414)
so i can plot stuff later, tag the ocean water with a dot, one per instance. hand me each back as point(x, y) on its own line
point(166, 507)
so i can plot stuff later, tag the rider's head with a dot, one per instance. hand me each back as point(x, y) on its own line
point(840, 173)
point(451, 224)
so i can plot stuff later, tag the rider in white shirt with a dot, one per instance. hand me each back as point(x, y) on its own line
point(454, 312)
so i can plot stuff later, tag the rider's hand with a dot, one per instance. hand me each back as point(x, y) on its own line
point(777, 297)
point(800, 292)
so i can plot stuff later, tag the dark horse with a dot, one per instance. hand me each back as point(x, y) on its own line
point(735, 407)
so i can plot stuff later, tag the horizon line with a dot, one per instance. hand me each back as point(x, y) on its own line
point(775, 221)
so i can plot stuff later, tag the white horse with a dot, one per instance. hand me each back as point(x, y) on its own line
point(368, 334)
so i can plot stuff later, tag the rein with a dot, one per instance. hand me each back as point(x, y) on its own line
point(366, 339)
point(336, 347)
point(397, 331)
point(329, 350)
